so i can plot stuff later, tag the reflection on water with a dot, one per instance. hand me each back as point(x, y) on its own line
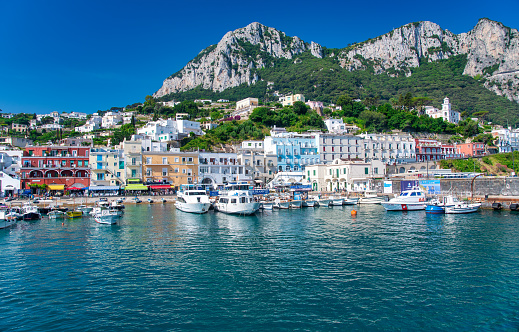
point(311, 269)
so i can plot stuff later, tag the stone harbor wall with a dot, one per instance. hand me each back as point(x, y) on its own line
point(491, 186)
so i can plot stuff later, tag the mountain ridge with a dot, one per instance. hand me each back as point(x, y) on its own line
point(492, 52)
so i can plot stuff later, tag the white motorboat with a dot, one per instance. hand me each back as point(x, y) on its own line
point(409, 200)
point(462, 207)
point(350, 201)
point(85, 209)
point(56, 214)
point(371, 197)
point(7, 218)
point(193, 201)
point(336, 201)
point(106, 216)
point(116, 205)
point(237, 198)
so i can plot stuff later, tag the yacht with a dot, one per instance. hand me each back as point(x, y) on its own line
point(408, 200)
point(237, 198)
point(193, 201)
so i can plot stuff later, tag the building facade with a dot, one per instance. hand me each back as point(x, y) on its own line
point(390, 149)
point(334, 146)
point(107, 167)
point(294, 151)
point(61, 166)
point(446, 113)
point(221, 168)
point(173, 168)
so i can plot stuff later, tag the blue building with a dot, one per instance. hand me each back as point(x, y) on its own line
point(294, 151)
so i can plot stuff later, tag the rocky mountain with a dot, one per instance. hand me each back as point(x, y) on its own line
point(492, 52)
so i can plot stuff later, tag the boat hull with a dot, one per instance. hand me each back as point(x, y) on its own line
point(469, 208)
point(193, 207)
point(31, 216)
point(106, 219)
point(403, 206)
point(434, 209)
point(241, 208)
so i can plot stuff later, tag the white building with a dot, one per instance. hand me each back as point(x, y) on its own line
point(75, 115)
point(337, 126)
point(94, 123)
point(352, 176)
point(390, 149)
point(220, 168)
point(10, 162)
point(168, 130)
point(111, 119)
point(245, 107)
point(335, 146)
point(317, 106)
point(446, 113)
point(291, 99)
point(52, 126)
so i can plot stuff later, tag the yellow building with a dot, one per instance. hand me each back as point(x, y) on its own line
point(174, 167)
point(290, 100)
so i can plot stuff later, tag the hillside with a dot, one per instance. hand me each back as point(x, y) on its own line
point(420, 58)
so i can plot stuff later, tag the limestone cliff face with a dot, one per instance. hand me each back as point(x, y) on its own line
point(492, 54)
point(233, 60)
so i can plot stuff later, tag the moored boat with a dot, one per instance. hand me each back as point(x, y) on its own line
point(192, 201)
point(409, 200)
point(106, 216)
point(74, 214)
point(462, 208)
point(30, 212)
point(237, 198)
point(371, 197)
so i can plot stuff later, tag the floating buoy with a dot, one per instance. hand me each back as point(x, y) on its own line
point(353, 213)
point(62, 224)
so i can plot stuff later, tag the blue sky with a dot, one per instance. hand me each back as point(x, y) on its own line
point(91, 55)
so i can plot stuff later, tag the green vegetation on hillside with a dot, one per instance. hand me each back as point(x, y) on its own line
point(325, 80)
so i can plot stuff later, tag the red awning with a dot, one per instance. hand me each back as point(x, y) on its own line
point(74, 188)
point(161, 186)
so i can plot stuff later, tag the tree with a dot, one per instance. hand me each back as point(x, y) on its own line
point(149, 101)
point(345, 101)
point(300, 108)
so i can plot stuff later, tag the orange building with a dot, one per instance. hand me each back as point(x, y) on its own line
point(475, 149)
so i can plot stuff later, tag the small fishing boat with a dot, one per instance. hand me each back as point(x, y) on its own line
point(296, 204)
point(74, 214)
point(30, 212)
point(7, 219)
point(266, 205)
point(350, 201)
point(281, 204)
point(309, 203)
point(336, 201)
point(462, 207)
point(56, 214)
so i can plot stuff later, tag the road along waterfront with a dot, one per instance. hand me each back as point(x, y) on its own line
point(309, 269)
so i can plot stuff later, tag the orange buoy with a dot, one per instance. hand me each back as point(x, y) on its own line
point(353, 213)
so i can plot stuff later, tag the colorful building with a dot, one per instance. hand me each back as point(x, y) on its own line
point(173, 168)
point(107, 168)
point(475, 149)
point(57, 167)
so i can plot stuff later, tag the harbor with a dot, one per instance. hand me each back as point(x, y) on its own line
point(309, 268)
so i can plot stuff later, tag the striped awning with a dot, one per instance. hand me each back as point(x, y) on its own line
point(56, 186)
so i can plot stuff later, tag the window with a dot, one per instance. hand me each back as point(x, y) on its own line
point(164, 172)
point(176, 170)
point(183, 171)
point(100, 176)
point(375, 170)
point(99, 157)
point(176, 159)
point(118, 174)
point(164, 161)
point(366, 170)
point(121, 164)
point(80, 163)
point(148, 160)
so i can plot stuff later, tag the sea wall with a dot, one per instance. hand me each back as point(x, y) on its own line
point(491, 186)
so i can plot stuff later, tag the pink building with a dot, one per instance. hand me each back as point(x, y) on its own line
point(475, 149)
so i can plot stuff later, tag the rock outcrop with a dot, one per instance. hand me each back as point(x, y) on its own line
point(492, 54)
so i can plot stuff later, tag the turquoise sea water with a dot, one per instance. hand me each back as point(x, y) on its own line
point(310, 269)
